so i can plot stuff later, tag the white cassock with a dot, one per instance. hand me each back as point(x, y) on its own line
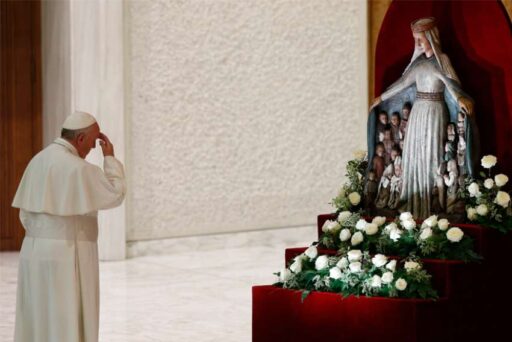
point(58, 278)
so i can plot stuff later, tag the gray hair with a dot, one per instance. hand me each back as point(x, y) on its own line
point(70, 134)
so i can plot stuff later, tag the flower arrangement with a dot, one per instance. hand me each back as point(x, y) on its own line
point(350, 195)
point(357, 273)
point(487, 203)
point(402, 237)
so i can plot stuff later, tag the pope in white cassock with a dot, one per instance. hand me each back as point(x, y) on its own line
point(59, 197)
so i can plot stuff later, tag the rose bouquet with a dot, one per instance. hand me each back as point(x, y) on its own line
point(357, 273)
point(402, 237)
point(350, 195)
point(486, 200)
point(437, 239)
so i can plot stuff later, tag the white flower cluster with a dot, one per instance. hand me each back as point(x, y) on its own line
point(488, 197)
point(432, 224)
point(377, 271)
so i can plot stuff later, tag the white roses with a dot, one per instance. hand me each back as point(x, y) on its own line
point(285, 275)
point(342, 263)
point(406, 216)
point(411, 266)
point(376, 281)
point(488, 183)
point(321, 262)
point(359, 154)
point(311, 252)
point(379, 260)
point(454, 234)
point(330, 226)
point(354, 198)
point(296, 267)
point(426, 233)
point(431, 221)
point(501, 180)
point(357, 238)
point(371, 229)
point(345, 234)
point(401, 284)
point(489, 161)
point(343, 216)
point(335, 273)
point(443, 224)
point(354, 255)
point(474, 190)
point(391, 265)
point(379, 220)
point(355, 267)
point(482, 210)
point(409, 224)
point(361, 224)
point(472, 214)
point(502, 198)
point(387, 277)
point(395, 234)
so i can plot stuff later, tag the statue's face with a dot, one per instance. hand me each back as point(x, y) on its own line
point(383, 118)
point(380, 151)
point(387, 134)
point(395, 120)
point(405, 113)
point(422, 44)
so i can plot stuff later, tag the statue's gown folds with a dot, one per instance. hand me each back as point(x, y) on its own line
point(426, 130)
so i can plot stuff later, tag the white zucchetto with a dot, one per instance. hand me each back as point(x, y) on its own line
point(78, 120)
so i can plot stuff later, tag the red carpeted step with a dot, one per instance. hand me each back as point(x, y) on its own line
point(280, 316)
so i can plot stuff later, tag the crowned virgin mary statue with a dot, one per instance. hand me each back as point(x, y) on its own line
point(433, 162)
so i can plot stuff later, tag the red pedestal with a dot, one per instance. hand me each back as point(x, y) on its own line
point(279, 315)
point(473, 299)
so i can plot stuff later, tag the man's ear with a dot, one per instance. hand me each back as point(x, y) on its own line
point(80, 138)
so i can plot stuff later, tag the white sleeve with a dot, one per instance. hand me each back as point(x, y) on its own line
point(106, 187)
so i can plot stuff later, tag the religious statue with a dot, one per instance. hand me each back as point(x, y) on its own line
point(395, 128)
point(395, 184)
point(370, 190)
point(378, 161)
point(450, 147)
point(430, 96)
point(384, 188)
point(451, 182)
point(381, 125)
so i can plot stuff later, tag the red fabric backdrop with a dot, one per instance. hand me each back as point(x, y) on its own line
point(477, 36)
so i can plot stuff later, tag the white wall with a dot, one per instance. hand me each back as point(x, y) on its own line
point(241, 114)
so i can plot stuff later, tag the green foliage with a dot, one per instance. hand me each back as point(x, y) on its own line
point(435, 247)
point(355, 170)
point(498, 217)
point(356, 283)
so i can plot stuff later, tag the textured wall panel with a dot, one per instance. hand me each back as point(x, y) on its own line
point(242, 113)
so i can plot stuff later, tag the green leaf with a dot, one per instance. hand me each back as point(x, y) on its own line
point(304, 295)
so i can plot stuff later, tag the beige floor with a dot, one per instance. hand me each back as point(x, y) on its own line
point(186, 295)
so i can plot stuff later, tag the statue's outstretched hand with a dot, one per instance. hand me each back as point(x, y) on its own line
point(466, 105)
point(375, 103)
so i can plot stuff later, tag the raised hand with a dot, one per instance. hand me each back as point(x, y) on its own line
point(375, 103)
point(106, 145)
point(466, 105)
